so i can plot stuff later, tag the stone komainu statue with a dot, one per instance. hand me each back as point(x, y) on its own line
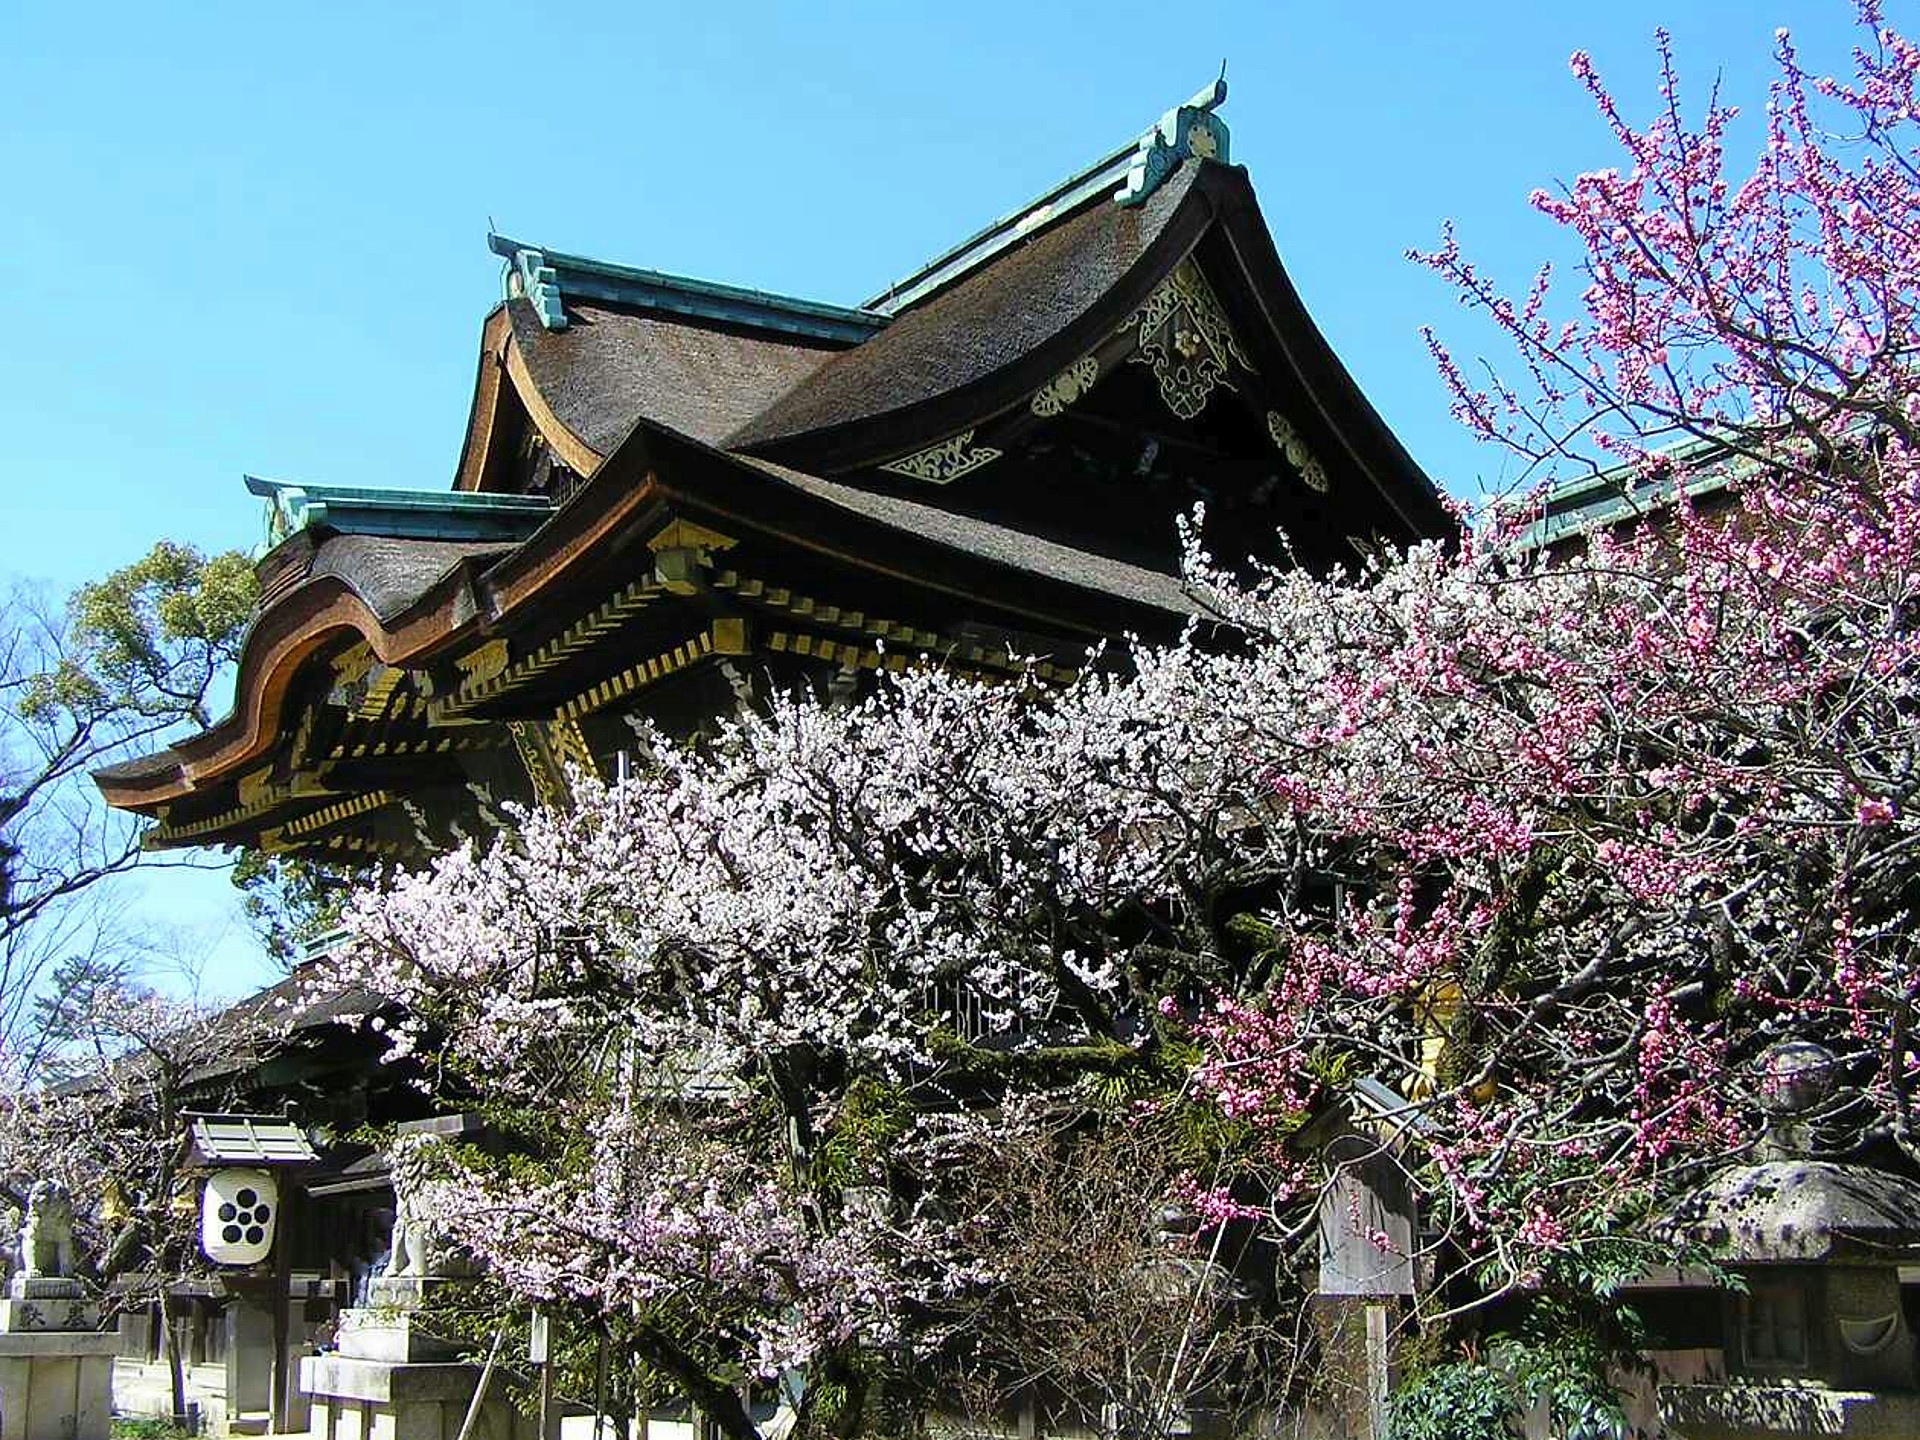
point(418, 1248)
point(46, 1233)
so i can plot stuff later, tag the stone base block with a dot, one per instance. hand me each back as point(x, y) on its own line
point(1757, 1410)
point(407, 1292)
point(45, 1287)
point(56, 1386)
point(22, 1317)
point(361, 1399)
point(400, 1337)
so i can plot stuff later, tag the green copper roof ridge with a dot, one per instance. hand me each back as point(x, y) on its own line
point(1698, 465)
point(378, 496)
point(1188, 130)
point(1088, 180)
point(1056, 203)
point(398, 514)
point(541, 268)
point(1625, 491)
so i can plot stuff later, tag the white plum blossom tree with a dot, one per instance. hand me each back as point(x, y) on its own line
point(98, 1105)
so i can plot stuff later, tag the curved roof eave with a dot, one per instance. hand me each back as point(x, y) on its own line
point(481, 589)
point(989, 341)
point(294, 627)
point(1371, 443)
point(923, 545)
point(1212, 209)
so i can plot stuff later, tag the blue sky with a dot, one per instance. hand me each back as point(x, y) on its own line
point(252, 237)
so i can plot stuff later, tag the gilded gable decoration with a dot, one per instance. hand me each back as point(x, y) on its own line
point(549, 785)
point(256, 787)
point(1184, 336)
point(1066, 387)
point(569, 745)
point(685, 535)
point(1287, 440)
point(948, 461)
point(482, 663)
point(353, 663)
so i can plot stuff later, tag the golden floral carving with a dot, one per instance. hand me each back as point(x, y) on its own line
point(1287, 441)
point(948, 461)
point(1066, 387)
point(1184, 335)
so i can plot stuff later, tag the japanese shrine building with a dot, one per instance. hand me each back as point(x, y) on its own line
point(675, 495)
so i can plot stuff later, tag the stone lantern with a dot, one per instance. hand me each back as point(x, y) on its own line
point(1817, 1342)
point(248, 1168)
point(1819, 1246)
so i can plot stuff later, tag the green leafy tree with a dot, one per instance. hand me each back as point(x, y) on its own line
point(125, 663)
point(293, 901)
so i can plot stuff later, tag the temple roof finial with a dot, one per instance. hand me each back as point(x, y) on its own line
point(529, 275)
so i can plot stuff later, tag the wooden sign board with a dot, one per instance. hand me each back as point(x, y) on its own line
point(1367, 1224)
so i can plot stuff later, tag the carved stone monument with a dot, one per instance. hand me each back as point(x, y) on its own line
point(392, 1377)
point(56, 1368)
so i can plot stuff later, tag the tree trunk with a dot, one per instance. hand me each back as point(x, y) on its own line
point(176, 1365)
point(717, 1401)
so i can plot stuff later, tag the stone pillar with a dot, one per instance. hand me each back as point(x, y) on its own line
point(56, 1367)
point(392, 1379)
point(249, 1325)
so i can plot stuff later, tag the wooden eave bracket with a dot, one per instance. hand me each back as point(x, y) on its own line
point(683, 555)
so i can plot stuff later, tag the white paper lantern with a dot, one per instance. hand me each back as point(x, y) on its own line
point(238, 1210)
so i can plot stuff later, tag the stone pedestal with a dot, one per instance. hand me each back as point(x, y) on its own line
point(398, 1337)
point(56, 1368)
point(249, 1354)
point(391, 1379)
point(406, 1292)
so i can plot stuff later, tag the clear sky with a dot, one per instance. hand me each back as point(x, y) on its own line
point(251, 237)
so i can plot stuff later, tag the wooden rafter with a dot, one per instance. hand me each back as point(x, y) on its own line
point(342, 810)
point(578, 637)
point(820, 614)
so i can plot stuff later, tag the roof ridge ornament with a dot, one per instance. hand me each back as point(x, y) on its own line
point(531, 277)
point(1189, 131)
point(289, 509)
